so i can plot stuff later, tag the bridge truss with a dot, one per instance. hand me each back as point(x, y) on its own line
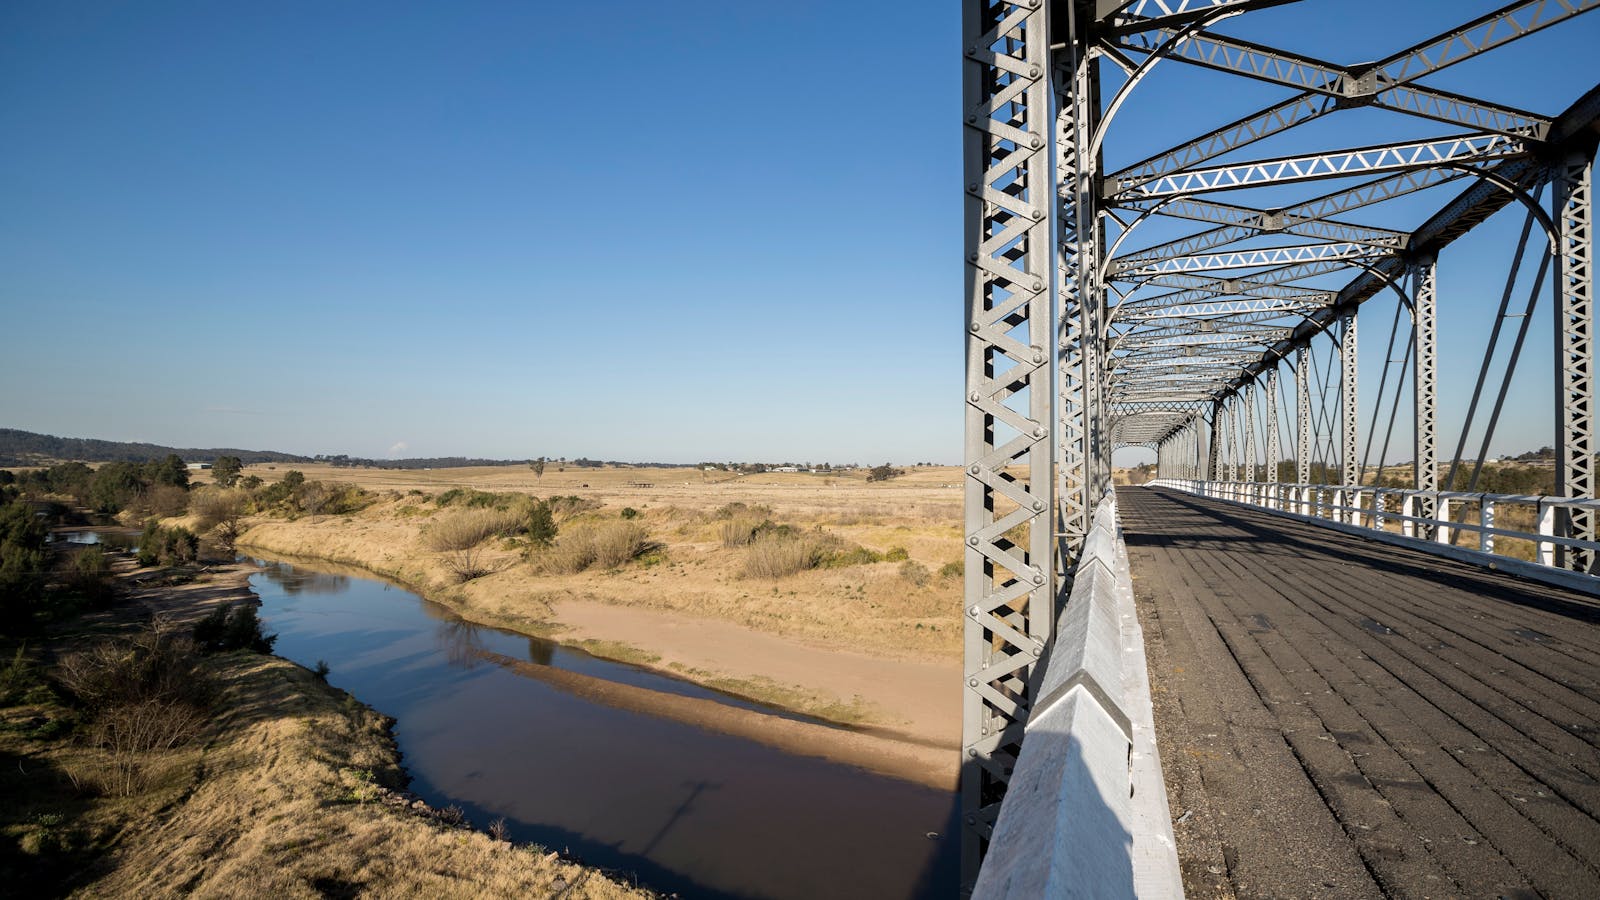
point(1183, 300)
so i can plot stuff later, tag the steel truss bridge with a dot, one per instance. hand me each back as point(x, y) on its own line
point(1202, 299)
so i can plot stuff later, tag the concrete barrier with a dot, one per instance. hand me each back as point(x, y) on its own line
point(1085, 814)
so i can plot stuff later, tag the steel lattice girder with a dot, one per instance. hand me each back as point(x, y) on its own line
point(1194, 317)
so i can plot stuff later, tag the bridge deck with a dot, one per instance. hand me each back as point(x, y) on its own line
point(1343, 718)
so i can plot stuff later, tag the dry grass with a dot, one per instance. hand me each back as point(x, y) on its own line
point(458, 538)
point(601, 545)
point(282, 795)
point(779, 554)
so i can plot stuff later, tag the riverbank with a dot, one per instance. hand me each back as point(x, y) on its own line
point(292, 788)
point(866, 646)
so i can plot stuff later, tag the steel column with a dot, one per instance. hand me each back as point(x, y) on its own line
point(1273, 450)
point(1009, 540)
point(1302, 415)
point(1425, 387)
point(1248, 398)
point(1348, 426)
point(1574, 310)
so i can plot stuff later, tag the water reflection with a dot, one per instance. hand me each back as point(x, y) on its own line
point(683, 808)
point(294, 580)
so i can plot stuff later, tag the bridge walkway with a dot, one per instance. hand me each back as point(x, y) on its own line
point(1343, 718)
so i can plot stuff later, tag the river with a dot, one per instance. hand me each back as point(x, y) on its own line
point(683, 809)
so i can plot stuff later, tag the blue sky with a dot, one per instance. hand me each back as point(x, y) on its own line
point(622, 230)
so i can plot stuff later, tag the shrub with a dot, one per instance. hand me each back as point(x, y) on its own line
point(629, 512)
point(221, 512)
point(458, 538)
point(884, 473)
point(738, 510)
point(232, 627)
point(473, 499)
point(777, 554)
point(896, 554)
point(22, 562)
point(955, 569)
point(607, 545)
point(167, 546)
point(740, 530)
point(564, 508)
point(853, 555)
point(914, 572)
point(148, 693)
point(89, 576)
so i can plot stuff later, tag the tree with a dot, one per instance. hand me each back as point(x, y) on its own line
point(313, 496)
point(538, 467)
point(883, 473)
point(293, 478)
point(225, 471)
point(250, 482)
point(171, 470)
point(221, 512)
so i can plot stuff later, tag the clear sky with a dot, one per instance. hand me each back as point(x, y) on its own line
point(664, 231)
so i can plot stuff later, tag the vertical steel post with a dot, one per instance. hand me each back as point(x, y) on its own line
point(1273, 451)
point(1009, 539)
point(1424, 337)
point(1348, 410)
point(1217, 470)
point(1574, 331)
point(1248, 398)
point(1302, 415)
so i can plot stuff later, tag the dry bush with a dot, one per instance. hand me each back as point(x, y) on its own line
point(220, 511)
point(164, 501)
point(458, 538)
point(914, 572)
point(739, 531)
point(148, 694)
point(564, 508)
point(468, 528)
point(777, 554)
point(606, 545)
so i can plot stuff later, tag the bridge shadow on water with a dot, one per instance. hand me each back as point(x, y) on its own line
point(1266, 534)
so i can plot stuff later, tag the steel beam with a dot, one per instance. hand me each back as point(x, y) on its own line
point(1425, 386)
point(1009, 540)
point(1348, 408)
point(1573, 213)
point(1302, 416)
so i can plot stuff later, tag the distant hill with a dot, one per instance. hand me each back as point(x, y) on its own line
point(25, 448)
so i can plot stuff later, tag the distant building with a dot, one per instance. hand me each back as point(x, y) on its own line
point(786, 469)
point(199, 466)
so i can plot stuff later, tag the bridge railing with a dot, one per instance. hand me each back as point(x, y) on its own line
point(1086, 811)
point(1517, 527)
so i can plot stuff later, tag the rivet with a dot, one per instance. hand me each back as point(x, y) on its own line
point(984, 729)
point(972, 752)
point(974, 396)
point(1038, 356)
point(1039, 505)
point(972, 682)
point(1033, 71)
point(973, 541)
point(1039, 432)
point(973, 611)
point(975, 327)
point(1038, 579)
point(971, 118)
point(1036, 142)
point(972, 820)
point(1038, 285)
point(1037, 650)
point(975, 469)
point(973, 188)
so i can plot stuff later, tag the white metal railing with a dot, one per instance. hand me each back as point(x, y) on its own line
point(1377, 508)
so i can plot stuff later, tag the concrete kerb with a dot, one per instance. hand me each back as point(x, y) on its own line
point(1086, 811)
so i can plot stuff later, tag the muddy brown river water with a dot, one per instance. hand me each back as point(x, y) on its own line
point(681, 808)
